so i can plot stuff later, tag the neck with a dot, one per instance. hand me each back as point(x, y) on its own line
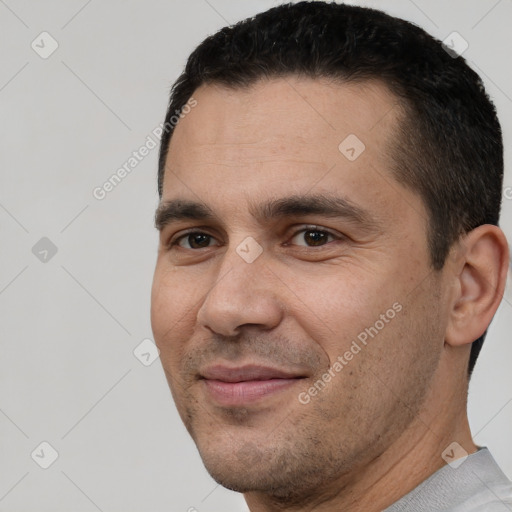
point(409, 460)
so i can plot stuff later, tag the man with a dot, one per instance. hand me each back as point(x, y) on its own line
point(329, 262)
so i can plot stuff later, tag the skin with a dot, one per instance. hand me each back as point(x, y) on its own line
point(379, 426)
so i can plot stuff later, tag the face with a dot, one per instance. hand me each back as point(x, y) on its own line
point(298, 318)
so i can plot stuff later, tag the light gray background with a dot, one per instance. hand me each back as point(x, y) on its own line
point(68, 375)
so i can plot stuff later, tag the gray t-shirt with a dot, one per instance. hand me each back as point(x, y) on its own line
point(477, 485)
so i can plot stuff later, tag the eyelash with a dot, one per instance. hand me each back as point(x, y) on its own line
point(175, 241)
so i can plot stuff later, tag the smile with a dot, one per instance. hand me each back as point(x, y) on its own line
point(240, 386)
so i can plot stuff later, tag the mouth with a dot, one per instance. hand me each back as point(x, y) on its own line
point(243, 385)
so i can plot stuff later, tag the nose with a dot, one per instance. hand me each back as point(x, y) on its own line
point(243, 294)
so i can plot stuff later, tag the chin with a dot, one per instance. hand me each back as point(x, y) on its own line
point(275, 466)
point(239, 463)
point(243, 479)
point(286, 487)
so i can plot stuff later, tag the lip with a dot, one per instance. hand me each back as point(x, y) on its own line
point(243, 385)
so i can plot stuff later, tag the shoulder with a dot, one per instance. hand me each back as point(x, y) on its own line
point(486, 504)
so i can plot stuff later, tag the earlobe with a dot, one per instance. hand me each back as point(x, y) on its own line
point(480, 284)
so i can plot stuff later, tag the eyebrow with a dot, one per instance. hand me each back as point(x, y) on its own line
point(180, 209)
point(292, 206)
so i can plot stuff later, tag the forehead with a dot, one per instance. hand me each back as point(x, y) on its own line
point(286, 135)
point(270, 115)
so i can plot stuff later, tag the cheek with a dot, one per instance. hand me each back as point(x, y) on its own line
point(171, 305)
point(335, 306)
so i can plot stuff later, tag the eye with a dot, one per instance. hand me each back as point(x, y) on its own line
point(313, 237)
point(192, 240)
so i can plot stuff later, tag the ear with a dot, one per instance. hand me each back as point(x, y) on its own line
point(480, 276)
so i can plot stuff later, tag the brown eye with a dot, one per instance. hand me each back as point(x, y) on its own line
point(312, 237)
point(315, 237)
point(194, 240)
